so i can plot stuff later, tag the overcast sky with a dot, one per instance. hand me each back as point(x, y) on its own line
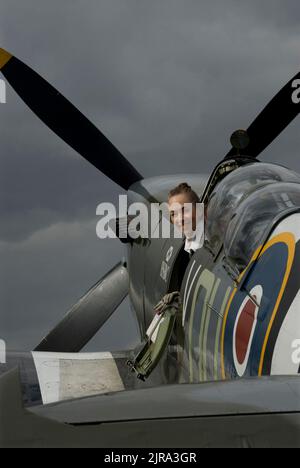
point(167, 81)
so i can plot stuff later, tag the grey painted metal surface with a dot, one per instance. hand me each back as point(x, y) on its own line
point(89, 314)
point(198, 428)
point(264, 395)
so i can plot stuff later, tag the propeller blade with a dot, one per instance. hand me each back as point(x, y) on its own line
point(67, 122)
point(276, 116)
point(89, 314)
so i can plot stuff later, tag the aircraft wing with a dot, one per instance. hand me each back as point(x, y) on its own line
point(262, 412)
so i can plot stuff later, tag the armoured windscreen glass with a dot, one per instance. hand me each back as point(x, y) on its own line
point(255, 218)
point(234, 189)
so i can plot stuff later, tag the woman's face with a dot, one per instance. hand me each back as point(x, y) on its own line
point(183, 214)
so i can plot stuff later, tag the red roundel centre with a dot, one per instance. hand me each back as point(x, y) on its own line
point(244, 330)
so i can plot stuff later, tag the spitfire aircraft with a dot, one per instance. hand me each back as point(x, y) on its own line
point(228, 351)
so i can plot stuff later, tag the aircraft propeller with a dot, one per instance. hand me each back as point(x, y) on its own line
point(95, 307)
point(275, 117)
point(67, 122)
point(90, 313)
point(85, 319)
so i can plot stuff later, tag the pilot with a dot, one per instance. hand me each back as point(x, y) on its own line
point(187, 214)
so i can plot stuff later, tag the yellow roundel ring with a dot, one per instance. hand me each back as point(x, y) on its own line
point(289, 240)
point(4, 58)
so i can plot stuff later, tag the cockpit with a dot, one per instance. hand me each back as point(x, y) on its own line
point(245, 205)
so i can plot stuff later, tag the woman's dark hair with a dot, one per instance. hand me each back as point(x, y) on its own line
point(184, 188)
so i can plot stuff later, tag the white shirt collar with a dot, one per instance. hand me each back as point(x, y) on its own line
point(197, 241)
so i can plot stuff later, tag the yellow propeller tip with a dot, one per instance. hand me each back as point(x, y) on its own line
point(4, 57)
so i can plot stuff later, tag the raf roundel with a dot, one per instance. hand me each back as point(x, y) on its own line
point(253, 308)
